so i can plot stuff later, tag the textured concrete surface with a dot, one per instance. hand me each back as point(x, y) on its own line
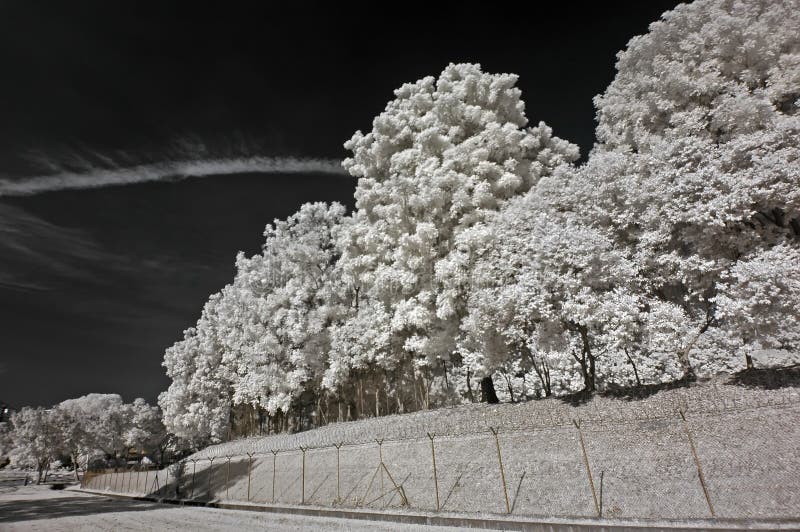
point(747, 443)
point(36, 508)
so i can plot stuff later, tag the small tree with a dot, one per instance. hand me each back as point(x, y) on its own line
point(758, 301)
point(5, 441)
point(36, 439)
point(146, 431)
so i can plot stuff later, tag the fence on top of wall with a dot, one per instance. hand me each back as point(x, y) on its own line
point(721, 451)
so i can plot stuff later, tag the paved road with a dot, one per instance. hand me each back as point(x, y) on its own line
point(34, 508)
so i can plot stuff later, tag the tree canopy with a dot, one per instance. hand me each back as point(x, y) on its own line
point(479, 248)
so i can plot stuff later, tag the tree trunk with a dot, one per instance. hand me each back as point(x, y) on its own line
point(361, 397)
point(75, 466)
point(586, 360)
point(414, 387)
point(590, 376)
point(683, 354)
point(686, 365)
point(635, 370)
point(488, 394)
point(548, 389)
point(542, 373)
point(510, 387)
point(469, 386)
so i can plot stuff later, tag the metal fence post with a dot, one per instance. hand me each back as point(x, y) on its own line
point(586, 464)
point(249, 471)
point(194, 472)
point(502, 471)
point(227, 478)
point(338, 474)
point(210, 473)
point(435, 475)
point(274, 461)
point(380, 470)
point(602, 474)
point(303, 477)
point(697, 462)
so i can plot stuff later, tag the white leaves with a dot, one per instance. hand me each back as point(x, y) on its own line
point(476, 241)
point(758, 299)
point(260, 339)
point(94, 423)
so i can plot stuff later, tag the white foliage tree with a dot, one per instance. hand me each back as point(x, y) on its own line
point(146, 431)
point(758, 300)
point(197, 404)
point(262, 340)
point(104, 423)
point(77, 422)
point(696, 166)
point(36, 439)
point(478, 249)
point(293, 300)
point(6, 442)
point(557, 295)
point(445, 152)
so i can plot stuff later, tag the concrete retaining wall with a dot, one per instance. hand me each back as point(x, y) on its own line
point(640, 468)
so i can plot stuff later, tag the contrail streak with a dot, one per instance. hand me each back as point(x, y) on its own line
point(107, 177)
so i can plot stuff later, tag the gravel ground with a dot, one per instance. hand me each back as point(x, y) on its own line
point(747, 441)
point(37, 508)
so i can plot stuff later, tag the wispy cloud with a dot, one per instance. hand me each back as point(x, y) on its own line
point(164, 171)
point(37, 255)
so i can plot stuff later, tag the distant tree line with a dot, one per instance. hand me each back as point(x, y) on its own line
point(93, 430)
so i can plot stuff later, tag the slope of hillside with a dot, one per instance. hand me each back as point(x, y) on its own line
point(735, 455)
point(708, 397)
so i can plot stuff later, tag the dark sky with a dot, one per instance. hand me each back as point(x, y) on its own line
point(95, 284)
